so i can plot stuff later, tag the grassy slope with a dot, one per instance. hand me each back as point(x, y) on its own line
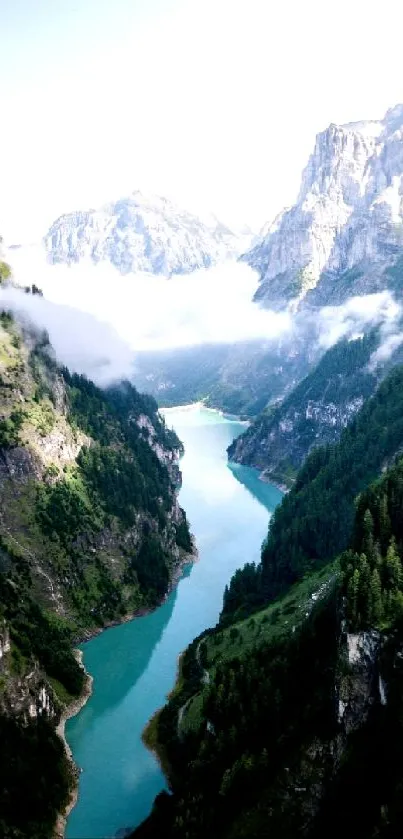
point(236, 641)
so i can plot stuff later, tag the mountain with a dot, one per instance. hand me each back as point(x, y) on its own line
point(314, 522)
point(316, 411)
point(344, 235)
point(90, 532)
point(236, 378)
point(287, 717)
point(142, 233)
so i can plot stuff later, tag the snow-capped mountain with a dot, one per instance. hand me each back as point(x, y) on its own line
point(346, 228)
point(142, 233)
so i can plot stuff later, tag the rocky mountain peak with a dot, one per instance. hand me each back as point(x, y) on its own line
point(141, 233)
point(348, 215)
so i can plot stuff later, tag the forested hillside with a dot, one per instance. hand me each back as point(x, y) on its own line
point(90, 531)
point(313, 414)
point(237, 378)
point(288, 721)
point(314, 521)
point(372, 567)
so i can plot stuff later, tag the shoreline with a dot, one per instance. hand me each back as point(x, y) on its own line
point(266, 479)
point(142, 611)
point(149, 734)
point(78, 704)
point(196, 406)
point(68, 712)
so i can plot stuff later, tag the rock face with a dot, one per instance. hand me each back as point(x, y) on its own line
point(313, 414)
point(346, 227)
point(41, 449)
point(141, 233)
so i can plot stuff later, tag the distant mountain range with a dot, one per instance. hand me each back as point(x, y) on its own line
point(343, 237)
point(344, 234)
point(142, 233)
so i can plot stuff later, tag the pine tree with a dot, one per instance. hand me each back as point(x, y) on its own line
point(375, 611)
point(393, 568)
point(353, 586)
point(368, 533)
point(384, 522)
point(363, 601)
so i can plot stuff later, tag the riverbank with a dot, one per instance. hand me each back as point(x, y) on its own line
point(142, 611)
point(78, 704)
point(136, 666)
point(191, 676)
point(197, 406)
point(68, 712)
point(276, 482)
point(150, 736)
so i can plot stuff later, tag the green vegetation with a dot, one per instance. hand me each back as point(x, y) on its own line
point(281, 437)
point(239, 379)
point(248, 728)
point(85, 539)
point(42, 415)
point(64, 509)
point(37, 635)
point(372, 569)
point(240, 639)
point(5, 272)
point(35, 779)
point(254, 735)
point(273, 621)
point(35, 776)
point(183, 538)
point(10, 429)
point(90, 521)
point(314, 522)
point(151, 566)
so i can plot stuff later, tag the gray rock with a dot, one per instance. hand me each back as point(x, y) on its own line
point(141, 233)
point(346, 223)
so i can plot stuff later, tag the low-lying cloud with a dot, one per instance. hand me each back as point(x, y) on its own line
point(150, 312)
point(80, 341)
point(98, 320)
point(357, 316)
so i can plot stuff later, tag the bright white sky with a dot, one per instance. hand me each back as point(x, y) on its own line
point(214, 103)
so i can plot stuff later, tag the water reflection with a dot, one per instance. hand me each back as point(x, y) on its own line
point(134, 665)
point(265, 493)
point(125, 652)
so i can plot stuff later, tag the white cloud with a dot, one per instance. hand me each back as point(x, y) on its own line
point(386, 350)
point(98, 319)
point(80, 341)
point(356, 316)
point(149, 312)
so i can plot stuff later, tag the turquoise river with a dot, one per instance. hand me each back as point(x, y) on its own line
point(134, 665)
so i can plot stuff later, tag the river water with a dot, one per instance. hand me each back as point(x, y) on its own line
point(134, 665)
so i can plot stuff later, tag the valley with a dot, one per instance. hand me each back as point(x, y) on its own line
point(134, 665)
point(250, 678)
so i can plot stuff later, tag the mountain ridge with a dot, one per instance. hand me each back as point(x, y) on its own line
point(141, 233)
point(91, 533)
point(348, 215)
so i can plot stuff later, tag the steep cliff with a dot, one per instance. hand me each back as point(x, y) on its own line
point(141, 233)
point(287, 719)
point(344, 235)
point(90, 532)
point(313, 414)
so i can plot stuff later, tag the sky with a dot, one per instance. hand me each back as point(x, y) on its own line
point(214, 103)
